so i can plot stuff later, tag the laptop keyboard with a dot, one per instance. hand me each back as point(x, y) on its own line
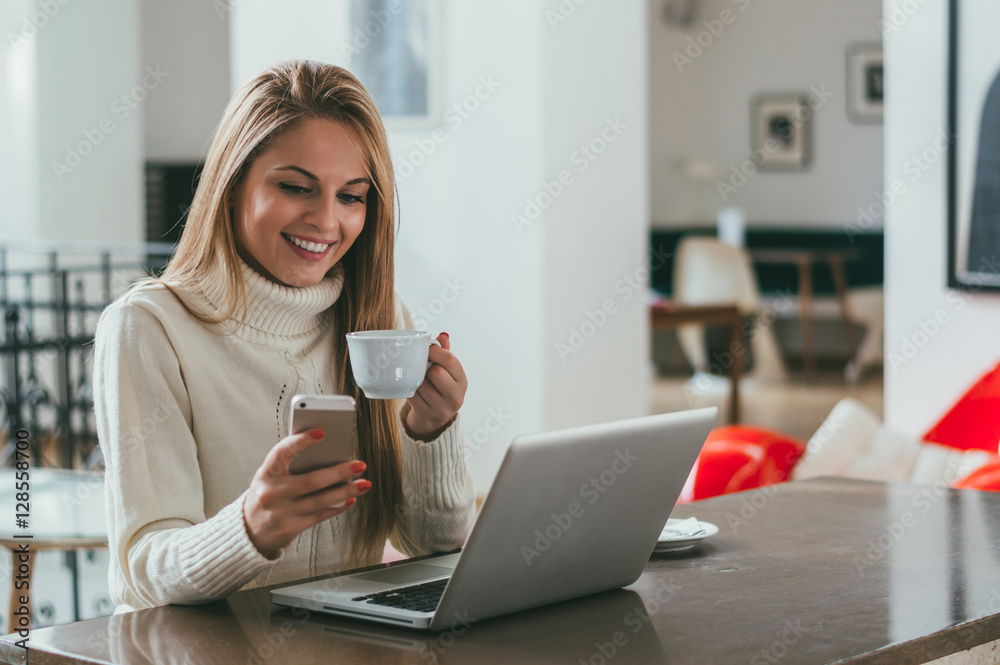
point(419, 597)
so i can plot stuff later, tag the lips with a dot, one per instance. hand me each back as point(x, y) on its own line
point(314, 247)
point(306, 249)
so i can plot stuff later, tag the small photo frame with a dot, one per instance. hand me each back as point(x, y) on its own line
point(780, 131)
point(396, 53)
point(865, 83)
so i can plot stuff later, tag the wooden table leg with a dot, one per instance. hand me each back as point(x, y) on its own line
point(15, 593)
point(735, 345)
point(840, 284)
point(724, 315)
point(805, 309)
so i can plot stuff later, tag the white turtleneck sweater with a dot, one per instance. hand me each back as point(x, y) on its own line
point(185, 417)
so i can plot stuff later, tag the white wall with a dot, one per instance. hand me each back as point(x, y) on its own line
point(18, 122)
point(90, 76)
point(921, 385)
point(527, 285)
point(702, 111)
point(596, 232)
point(520, 94)
point(80, 112)
point(456, 197)
point(263, 32)
point(189, 39)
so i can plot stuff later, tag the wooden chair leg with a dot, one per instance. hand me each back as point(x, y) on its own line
point(840, 284)
point(735, 342)
point(805, 309)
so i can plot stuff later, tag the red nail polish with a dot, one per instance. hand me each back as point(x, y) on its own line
point(351, 502)
point(317, 434)
point(358, 467)
point(364, 485)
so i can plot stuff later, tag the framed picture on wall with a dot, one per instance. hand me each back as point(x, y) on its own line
point(396, 53)
point(973, 144)
point(779, 131)
point(864, 83)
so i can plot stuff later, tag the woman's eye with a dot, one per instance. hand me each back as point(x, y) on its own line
point(293, 189)
point(351, 199)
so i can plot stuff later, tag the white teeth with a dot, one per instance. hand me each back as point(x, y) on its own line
point(314, 247)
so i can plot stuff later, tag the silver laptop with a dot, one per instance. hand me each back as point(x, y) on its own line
point(571, 513)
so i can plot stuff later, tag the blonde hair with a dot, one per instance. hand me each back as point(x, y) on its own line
point(266, 106)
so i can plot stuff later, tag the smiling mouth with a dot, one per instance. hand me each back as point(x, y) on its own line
point(314, 247)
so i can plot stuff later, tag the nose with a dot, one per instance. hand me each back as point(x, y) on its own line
point(325, 215)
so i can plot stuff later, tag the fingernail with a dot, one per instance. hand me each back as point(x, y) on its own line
point(364, 485)
point(351, 502)
point(358, 467)
point(446, 335)
point(317, 434)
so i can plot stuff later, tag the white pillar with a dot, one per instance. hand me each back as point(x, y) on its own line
point(18, 121)
point(595, 125)
point(91, 84)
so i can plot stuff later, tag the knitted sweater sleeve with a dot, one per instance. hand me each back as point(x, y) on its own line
point(438, 495)
point(163, 547)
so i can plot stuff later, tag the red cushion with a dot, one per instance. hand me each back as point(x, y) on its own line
point(973, 423)
point(986, 477)
point(737, 458)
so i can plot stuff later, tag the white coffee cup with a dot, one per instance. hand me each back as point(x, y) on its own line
point(389, 364)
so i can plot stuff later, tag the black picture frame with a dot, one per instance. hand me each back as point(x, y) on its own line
point(973, 145)
point(865, 82)
point(780, 125)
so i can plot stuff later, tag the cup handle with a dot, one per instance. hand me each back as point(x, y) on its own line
point(435, 342)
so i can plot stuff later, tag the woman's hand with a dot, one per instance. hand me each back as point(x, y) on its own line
point(281, 505)
point(441, 394)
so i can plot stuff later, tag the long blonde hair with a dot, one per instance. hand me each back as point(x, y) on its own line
point(269, 104)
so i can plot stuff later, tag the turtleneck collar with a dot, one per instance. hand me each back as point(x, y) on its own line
point(276, 309)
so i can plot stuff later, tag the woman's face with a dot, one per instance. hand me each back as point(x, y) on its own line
point(302, 203)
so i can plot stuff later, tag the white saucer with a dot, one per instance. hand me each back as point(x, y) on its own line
point(672, 542)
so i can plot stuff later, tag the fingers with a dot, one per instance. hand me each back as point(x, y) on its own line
point(281, 455)
point(275, 512)
point(443, 357)
point(320, 479)
point(433, 399)
point(270, 530)
point(324, 515)
point(442, 390)
point(280, 505)
point(340, 497)
point(418, 402)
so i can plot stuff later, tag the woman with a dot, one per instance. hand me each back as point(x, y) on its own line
point(288, 246)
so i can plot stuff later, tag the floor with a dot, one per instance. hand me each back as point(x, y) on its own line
point(795, 407)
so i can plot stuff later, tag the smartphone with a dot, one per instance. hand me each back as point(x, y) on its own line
point(334, 414)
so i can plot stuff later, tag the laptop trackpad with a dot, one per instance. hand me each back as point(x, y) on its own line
point(404, 574)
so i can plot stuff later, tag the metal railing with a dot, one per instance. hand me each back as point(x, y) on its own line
point(51, 296)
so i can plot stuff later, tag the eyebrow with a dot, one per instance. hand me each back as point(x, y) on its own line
point(311, 176)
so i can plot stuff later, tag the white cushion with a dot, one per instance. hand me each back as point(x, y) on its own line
point(853, 443)
point(945, 464)
point(838, 441)
point(889, 456)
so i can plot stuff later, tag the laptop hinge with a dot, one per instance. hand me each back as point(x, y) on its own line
point(341, 610)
